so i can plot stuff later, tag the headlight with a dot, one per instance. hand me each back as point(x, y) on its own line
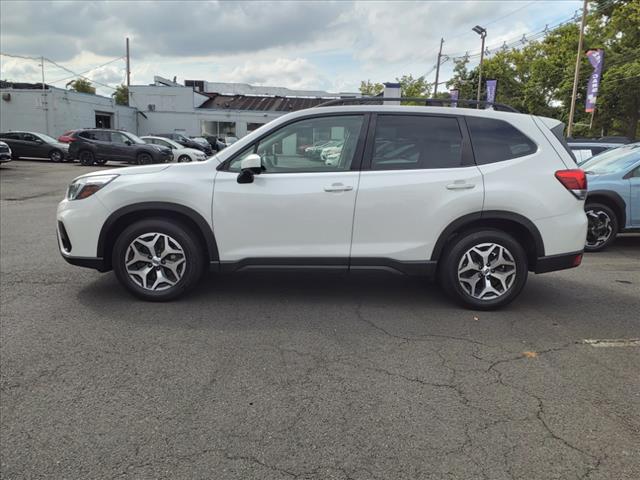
point(84, 187)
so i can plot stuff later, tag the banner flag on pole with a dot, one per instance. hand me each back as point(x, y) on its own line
point(454, 96)
point(492, 86)
point(596, 58)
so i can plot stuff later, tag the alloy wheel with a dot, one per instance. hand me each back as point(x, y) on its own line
point(155, 261)
point(56, 156)
point(487, 271)
point(600, 228)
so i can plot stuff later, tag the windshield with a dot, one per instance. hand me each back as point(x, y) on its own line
point(47, 138)
point(612, 161)
point(134, 138)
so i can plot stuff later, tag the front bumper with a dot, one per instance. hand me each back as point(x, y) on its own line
point(553, 263)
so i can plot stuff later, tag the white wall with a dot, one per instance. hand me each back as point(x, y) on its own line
point(191, 122)
point(65, 110)
point(165, 99)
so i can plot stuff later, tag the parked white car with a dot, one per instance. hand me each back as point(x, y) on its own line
point(180, 154)
point(476, 198)
point(331, 155)
point(5, 153)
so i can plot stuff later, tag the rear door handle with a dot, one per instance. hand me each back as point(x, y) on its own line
point(338, 187)
point(460, 186)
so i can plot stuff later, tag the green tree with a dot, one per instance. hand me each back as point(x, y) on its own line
point(121, 95)
point(81, 85)
point(413, 87)
point(370, 89)
point(538, 78)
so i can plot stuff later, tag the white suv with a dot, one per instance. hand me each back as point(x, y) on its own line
point(475, 197)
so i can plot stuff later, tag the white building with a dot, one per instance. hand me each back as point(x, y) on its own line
point(198, 108)
point(53, 111)
point(216, 108)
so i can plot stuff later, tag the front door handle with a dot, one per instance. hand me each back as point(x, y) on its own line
point(460, 185)
point(338, 187)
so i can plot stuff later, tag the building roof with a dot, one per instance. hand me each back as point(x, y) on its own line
point(259, 103)
point(23, 85)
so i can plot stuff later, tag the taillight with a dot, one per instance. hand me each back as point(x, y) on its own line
point(575, 181)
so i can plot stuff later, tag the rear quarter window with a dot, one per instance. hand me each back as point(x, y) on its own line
point(496, 140)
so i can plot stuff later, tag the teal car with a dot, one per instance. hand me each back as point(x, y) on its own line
point(613, 197)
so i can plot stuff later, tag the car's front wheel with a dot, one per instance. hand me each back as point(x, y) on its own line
point(184, 158)
point(157, 260)
point(56, 156)
point(484, 269)
point(603, 226)
point(144, 159)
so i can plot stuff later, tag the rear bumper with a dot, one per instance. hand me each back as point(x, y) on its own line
point(558, 262)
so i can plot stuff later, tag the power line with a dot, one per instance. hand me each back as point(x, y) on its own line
point(87, 71)
point(79, 75)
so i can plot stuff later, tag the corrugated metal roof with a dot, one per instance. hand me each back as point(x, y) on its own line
point(259, 103)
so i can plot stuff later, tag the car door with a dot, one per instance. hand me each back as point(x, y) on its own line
point(120, 147)
point(298, 210)
point(634, 181)
point(33, 146)
point(418, 176)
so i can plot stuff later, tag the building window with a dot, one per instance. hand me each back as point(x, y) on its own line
point(219, 129)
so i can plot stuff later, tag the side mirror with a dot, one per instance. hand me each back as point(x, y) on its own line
point(128, 142)
point(250, 166)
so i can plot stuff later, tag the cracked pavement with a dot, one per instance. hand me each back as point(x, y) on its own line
point(306, 376)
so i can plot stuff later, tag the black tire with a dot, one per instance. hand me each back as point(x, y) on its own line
point(184, 238)
point(56, 156)
point(144, 159)
point(455, 258)
point(603, 226)
point(101, 161)
point(87, 158)
point(184, 158)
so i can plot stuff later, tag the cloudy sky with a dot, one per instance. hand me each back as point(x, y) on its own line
point(308, 44)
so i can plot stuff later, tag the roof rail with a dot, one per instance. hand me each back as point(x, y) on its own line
point(431, 102)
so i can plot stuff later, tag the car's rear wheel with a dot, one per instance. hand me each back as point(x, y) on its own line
point(87, 158)
point(484, 269)
point(144, 159)
point(184, 158)
point(603, 226)
point(56, 156)
point(157, 260)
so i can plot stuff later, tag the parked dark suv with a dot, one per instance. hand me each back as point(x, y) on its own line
point(37, 145)
point(186, 142)
point(97, 145)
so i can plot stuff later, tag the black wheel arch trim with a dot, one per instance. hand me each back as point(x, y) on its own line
point(613, 197)
point(468, 219)
point(203, 225)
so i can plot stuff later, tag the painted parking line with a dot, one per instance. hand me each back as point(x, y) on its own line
point(612, 342)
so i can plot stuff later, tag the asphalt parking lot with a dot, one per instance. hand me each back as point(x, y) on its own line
point(307, 376)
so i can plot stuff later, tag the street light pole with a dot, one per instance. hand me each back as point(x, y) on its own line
point(483, 34)
point(576, 75)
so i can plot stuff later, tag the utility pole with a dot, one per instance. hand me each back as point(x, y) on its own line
point(45, 106)
point(435, 88)
point(576, 75)
point(128, 66)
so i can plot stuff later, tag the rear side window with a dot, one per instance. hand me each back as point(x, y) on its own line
point(496, 140)
point(406, 142)
point(558, 132)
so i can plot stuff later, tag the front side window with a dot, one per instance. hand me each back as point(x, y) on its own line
point(117, 137)
point(406, 142)
point(29, 138)
point(323, 144)
point(496, 140)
